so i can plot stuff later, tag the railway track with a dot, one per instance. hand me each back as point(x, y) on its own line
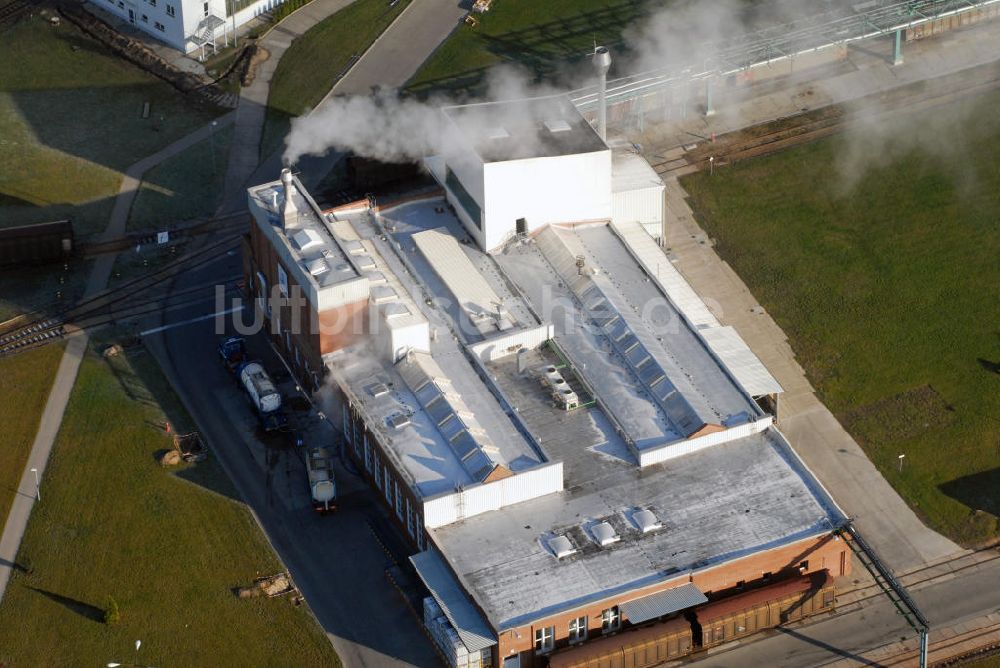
point(133, 298)
point(11, 11)
point(811, 125)
point(925, 575)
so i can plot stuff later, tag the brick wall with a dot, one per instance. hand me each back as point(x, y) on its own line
point(825, 552)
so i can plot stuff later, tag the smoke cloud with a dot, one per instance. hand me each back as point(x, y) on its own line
point(685, 36)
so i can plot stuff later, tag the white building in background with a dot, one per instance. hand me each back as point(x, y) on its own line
point(188, 25)
point(513, 167)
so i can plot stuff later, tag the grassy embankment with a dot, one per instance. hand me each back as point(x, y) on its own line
point(167, 547)
point(889, 291)
point(308, 68)
point(25, 381)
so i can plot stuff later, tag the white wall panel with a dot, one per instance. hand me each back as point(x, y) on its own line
point(500, 346)
point(681, 448)
point(478, 499)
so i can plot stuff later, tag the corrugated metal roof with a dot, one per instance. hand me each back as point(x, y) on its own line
point(471, 291)
point(470, 625)
point(662, 603)
point(745, 366)
point(659, 267)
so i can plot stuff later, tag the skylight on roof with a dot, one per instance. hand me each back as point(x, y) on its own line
point(646, 521)
point(557, 125)
point(604, 534)
point(307, 238)
point(318, 266)
point(561, 547)
point(497, 132)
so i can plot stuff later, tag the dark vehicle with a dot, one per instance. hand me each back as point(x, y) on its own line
point(37, 243)
point(233, 352)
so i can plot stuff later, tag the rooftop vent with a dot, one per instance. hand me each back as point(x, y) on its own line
point(399, 420)
point(306, 238)
point(318, 266)
point(377, 389)
point(561, 547)
point(646, 521)
point(497, 133)
point(604, 534)
point(365, 261)
point(557, 125)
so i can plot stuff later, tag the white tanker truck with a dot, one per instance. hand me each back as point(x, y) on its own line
point(322, 485)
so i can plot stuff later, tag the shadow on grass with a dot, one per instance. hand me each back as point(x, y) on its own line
point(209, 475)
point(91, 612)
point(978, 491)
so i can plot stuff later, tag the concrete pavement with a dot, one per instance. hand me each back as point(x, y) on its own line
point(76, 347)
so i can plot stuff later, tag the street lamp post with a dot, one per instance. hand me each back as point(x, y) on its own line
point(901, 458)
point(38, 489)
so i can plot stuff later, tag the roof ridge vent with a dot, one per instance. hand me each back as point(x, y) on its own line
point(557, 125)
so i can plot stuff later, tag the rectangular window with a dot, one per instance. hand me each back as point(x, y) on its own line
point(145, 19)
point(409, 517)
point(282, 280)
point(420, 531)
point(159, 26)
point(399, 499)
point(611, 620)
point(388, 485)
point(545, 639)
point(578, 629)
point(171, 11)
point(828, 598)
point(804, 566)
point(376, 471)
point(465, 200)
point(206, 9)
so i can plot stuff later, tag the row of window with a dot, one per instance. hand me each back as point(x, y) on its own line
point(384, 480)
point(545, 637)
point(145, 19)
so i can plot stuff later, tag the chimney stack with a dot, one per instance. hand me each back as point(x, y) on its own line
point(289, 213)
point(602, 63)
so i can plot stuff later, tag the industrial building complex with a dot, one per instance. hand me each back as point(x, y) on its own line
point(584, 460)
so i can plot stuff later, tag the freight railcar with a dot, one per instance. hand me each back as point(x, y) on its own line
point(36, 243)
point(744, 614)
point(706, 626)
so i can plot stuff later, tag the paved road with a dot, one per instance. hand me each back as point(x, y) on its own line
point(69, 365)
point(397, 55)
point(848, 637)
point(335, 560)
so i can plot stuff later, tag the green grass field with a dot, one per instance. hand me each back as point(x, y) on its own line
point(308, 69)
point(25, 381)
point(889, 292)
point(112, 522)
point(540, 36)
point(71, 122)
point(187, 186)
